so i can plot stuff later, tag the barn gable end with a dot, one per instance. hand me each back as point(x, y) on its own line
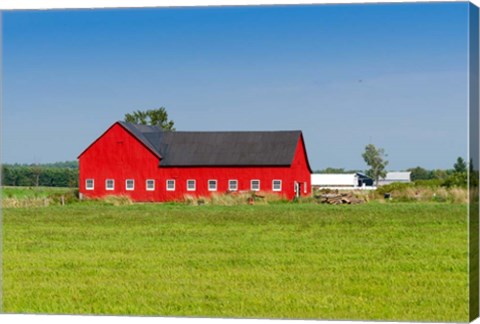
point(118, 155)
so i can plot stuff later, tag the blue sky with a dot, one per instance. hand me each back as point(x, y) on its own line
point(394, 75)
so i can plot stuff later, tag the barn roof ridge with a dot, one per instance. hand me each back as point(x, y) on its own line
point(218, 148)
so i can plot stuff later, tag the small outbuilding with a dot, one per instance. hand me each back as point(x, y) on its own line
point(341, 181)
point(391, 177)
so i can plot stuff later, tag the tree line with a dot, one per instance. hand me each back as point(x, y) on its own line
point(417, 173)
point(375, 158)
point(59, 174)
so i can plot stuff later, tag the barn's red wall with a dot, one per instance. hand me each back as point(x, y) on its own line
point(118, 155)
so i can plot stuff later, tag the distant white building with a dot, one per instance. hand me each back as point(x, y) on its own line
point(391, 177)
point(345, 181)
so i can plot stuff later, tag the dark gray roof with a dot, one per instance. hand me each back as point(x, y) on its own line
point(273, 148)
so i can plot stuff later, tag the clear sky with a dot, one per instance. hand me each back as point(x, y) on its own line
point(394, 75)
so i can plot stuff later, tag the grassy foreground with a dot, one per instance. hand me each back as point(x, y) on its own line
point(403, 261)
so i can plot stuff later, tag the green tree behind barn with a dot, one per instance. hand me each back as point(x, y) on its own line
point(153, 117)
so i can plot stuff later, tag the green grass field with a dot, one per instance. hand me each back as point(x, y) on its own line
point(403, 261)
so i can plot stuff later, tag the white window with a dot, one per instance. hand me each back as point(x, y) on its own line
point(109, 184)
point(170, 185)
point(277, 185)
point(212, 185)
point(255, 185)
point(129, 184)
point(89, 184)
point(150, 185)
point(304, 187)
point(233, 185)
point(191, 185)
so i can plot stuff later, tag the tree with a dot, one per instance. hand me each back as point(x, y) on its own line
point(36, 172)
point(438, 174)
point(375, 159)
point(154, 117)
point(457, 179)
point(460, 166)
point(419, 173)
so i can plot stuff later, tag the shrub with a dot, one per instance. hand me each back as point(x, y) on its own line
point(234, 198)
point(189, 200)
point(457, 179)
point(27, 202)
point(117, 200)
point(226, 199)
point(394, 187)
point(459, 195)
point(432, 183)
point(67, 198)
point(405, 193)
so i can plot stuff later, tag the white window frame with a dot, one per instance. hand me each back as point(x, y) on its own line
point(236, 185)
point(89, 187)
point(273, 185)
point(194, 185)
point(146, 184)
point(216, 185)
point(251, 185)
point(113, 184)
point(169, 188)
point(133, 184)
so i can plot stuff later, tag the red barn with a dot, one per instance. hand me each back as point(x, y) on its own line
point(150, 164)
